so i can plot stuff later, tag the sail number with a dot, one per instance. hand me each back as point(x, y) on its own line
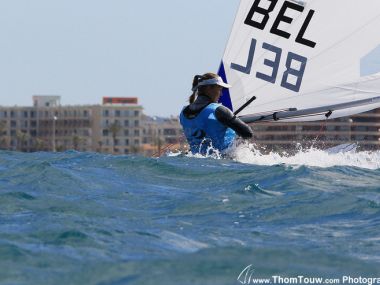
point(292, 77)
point(258, 17)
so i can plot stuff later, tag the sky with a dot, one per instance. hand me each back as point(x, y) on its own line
point(84, 50)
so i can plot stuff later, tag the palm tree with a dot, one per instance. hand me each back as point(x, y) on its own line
point(22, 138)
point(2, 127)
point(135, 149)
point(114, 128)
point(76, 142)
point(100, 144)
point(39, 144)
point(158, 143)
point(3, 140)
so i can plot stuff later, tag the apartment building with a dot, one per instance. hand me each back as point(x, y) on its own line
point(47, 126)
point(17, 128)
point(116, 126)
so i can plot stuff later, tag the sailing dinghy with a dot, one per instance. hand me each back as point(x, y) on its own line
point(301, 60)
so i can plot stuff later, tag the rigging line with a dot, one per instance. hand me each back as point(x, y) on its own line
point(323, 126)
point(356, 90)
point(168, 147)
point(273, 117)
point(367, 79)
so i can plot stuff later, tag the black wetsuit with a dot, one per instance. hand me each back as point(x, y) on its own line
point(223, 115)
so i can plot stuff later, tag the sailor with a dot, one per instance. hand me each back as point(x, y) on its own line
point(208, 125)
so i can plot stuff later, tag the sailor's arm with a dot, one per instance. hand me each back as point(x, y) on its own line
point(227, 118)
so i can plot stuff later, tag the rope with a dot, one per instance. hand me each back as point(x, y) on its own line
point(323, 126)
point(167, 147)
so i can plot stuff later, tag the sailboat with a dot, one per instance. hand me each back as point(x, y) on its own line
point(293, 60)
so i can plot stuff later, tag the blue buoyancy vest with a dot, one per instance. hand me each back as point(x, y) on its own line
point(205, 132)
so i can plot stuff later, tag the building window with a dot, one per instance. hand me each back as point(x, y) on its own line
point(13, 124)
point(137, 113)
point(126, 123)
point(171, 140)
point(117, 113)
point(85, 113)
point(137, 133)
point(136, 123)
point(169, 132)
point(25, 114)
point(127, 142)
point(126, 133)
point(126, 151)
point(105, 133)
point(13, 114)
point(137, 142)
point(106, 113)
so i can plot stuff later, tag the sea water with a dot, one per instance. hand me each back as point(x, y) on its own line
point(87, 218)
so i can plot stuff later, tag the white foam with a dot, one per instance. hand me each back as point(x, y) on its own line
point(248, 153)
point(182, 243)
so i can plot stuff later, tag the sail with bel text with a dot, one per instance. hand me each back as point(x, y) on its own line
point(302, 60)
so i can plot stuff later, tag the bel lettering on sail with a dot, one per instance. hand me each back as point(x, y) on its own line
point(294, 66)
point(302, 60)
point(281, 18)
point(292, 59)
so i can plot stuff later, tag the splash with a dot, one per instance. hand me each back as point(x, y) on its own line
point(248, 153)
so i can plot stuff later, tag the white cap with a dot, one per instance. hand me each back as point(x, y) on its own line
point(213, 81)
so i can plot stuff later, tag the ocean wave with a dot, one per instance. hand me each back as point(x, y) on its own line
point(121, 215)
point(248, 153)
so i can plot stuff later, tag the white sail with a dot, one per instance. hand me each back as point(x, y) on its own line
point(302, 55)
